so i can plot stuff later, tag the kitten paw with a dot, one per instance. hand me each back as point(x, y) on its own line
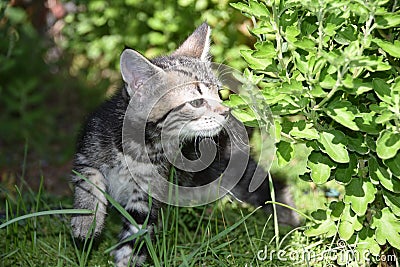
point(85, 226)
point(125, 257)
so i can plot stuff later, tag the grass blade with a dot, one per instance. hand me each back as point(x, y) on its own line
point(46, 213)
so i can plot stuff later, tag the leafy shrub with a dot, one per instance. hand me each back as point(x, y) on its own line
point(329, 71)
point(23, 89)
point(97, 34)
point(37, 108)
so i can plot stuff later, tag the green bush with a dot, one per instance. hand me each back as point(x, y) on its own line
point(97, 34)
point(23, 87)
point(329, 71)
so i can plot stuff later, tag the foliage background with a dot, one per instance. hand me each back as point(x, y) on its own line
point(328, 70)
point(60, 60)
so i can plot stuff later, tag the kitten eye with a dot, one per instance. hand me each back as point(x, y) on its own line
point(197, 102)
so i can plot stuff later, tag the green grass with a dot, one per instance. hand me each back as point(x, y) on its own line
point(223, 233)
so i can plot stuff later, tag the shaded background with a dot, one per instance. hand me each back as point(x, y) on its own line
point(59, 60)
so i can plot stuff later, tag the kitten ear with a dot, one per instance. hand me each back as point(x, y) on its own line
point(136, 70)
point(197, 45)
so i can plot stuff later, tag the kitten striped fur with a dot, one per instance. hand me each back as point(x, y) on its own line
point(174, 95)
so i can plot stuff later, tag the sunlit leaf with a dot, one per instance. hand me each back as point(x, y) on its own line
point(255, 63)
point(284, 152)
point(387, 144)
point(320, 166)
point(382, 90)
point(348, 223)
point(387, 21)
point(334, 144)
point(367, 242)
point(391, 49)
point(359, 193)
point(301, 129)
point(394, 165)
point(344, 113)
point(387, 228)
point(379, 172)
point(392, 200)
point(327, 227)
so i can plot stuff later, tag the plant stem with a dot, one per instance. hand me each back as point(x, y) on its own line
point(335, 88)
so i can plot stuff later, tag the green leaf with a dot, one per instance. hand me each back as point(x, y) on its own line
point(371, 142)
point(387, 228)
point(355, 85)
point(224, 94)
point(336, 208)
point(348, 223)
point(382, 90)
point(278, 130)
point(395, 94)
point(245, 116)
point(291, 33)
point(334, 144)
point(393, 164)
point(346, 35)
point(301, 62)
point(254, 8)
point(292, 87)
point(306, 44)
point(301, 129)
point(235, 101)
point(366, 122)
point(357, 143)
point(371, 63)
point(265, 50)
point(379, 172)
point(392, 200)
point(320, 215)
point(327, 227)
point(242, 7)
point(388, 20)
point(345, 171)
point(391, 49)
point(265, 29)
point(330, 29)
point(344, 113)
point(284, 152)
point(385, 117)
point(316, 91)
point(320, 172)
point(157, 38)
point(328, 82)
point(320, 166)
point(15, 14)
point(387, 144)
point(367, 242)
point(255, 63)
point(359, 193)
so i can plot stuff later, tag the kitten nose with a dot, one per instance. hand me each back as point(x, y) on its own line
point(217, 107)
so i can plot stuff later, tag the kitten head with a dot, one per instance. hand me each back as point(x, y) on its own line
point(177, 93)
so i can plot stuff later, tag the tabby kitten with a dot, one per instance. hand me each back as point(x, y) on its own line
point(176, 96)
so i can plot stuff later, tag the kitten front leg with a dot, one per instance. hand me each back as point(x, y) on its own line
point(145, 215)
point(87, 196)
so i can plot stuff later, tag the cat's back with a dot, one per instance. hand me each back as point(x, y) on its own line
point(101, 135)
